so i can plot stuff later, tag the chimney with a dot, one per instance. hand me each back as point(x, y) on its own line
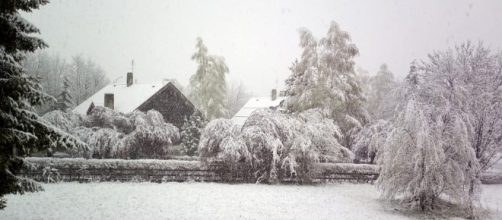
point(129, 79)
point(109, 100)
point(274, 94)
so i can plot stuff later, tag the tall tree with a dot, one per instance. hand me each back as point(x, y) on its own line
point(325, 78)
point(461, 92)
point(65, 98)
point(87, 78)
point(380, 94)
point(364, 78)
point(21, 130)
point(470, 78)
point(207, 86)
point(427, 155)
point(303, 90)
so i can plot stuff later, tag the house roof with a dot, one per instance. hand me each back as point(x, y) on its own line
point(126, 99)
point(254, 103)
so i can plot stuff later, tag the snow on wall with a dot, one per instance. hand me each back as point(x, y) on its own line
point(126, 99)
point(40, 162)
point(254, 103)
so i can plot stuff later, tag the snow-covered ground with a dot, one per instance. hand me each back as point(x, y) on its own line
point(212, 201)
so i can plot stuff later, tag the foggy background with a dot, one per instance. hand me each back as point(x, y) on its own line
point(258, 39)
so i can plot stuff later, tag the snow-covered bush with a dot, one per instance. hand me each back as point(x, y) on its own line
point(105, 143)
point(59, 119)
point(369, 140)
point(151, 141)
point(324, 136)
point(261, 154)
point(360, 147)
point(112, 134)
point(190, 133)
point(151, 135)
point(212, 136)
point(317, 116)
point(64, 120)
point(248, 154)
point(273, 145)
point(83, 134)
point(107, 118)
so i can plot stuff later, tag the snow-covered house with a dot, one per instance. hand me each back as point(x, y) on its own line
point(254, 103)
point(162, 96)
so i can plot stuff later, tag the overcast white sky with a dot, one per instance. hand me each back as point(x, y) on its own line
point(258, 39)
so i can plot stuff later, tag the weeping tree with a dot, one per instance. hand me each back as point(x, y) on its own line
point(428, 154)
point(272, 146)
point(22, 131)
point(470, 78)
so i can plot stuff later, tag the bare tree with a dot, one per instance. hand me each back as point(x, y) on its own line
point(237, 97)
point(85, 75)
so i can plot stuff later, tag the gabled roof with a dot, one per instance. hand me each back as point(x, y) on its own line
point(126, 99)
point(255, 103)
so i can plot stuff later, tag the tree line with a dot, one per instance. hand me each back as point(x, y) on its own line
point(432, 134)
point(70, 83)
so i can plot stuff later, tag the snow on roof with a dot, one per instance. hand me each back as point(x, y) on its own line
point(126, 99)
point(255, 103)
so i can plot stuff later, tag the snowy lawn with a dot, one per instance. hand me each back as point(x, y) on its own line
point(212, 201)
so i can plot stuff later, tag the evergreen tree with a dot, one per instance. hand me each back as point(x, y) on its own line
point(208, 89)
point(21, 130)
point(190, 133)
point(65, 99)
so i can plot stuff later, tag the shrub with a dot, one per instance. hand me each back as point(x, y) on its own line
point(107, 118)
point(112, 134)
point(212, 135)
point(105, 143)
point(272, 145)
point(370, 140)
point(151, 135)
point(190, 133)
point(61, 120)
